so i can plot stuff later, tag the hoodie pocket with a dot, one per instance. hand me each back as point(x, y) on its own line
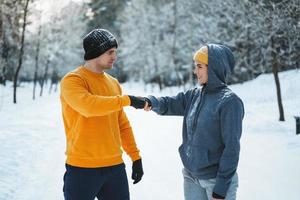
point(193, 157)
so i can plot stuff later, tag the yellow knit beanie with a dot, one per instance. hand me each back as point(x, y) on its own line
point(201, 56)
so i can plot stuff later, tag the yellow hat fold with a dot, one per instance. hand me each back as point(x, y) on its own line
point(201, 56)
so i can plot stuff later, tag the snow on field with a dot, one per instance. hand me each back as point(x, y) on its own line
point(32, 144)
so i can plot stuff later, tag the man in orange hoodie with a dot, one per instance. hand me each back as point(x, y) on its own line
point(96, 126)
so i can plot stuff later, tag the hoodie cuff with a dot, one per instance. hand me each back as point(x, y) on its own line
point(135, 156)
point(221, 187)
point(214, 195)
point(154, 103)
point(125, 100)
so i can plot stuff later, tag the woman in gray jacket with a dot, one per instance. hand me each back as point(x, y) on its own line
point(212, 126)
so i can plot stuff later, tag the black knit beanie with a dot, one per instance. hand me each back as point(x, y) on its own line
point(97, 42)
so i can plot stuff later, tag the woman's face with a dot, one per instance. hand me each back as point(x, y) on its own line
point(201, 72)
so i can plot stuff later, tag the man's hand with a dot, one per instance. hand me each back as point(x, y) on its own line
point(148, 105)
point(137, 102)
point(137, 171)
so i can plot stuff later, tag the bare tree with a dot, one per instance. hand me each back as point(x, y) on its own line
point(3, 44)
point(278, 17)
point(36, 62)
point(21, 50)
point(45, 76)
point(2, 79)
point(10, 17)
point(275, 69)
point(54, 80)
point(174, 48)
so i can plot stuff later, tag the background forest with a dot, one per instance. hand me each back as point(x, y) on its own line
point(157, 38)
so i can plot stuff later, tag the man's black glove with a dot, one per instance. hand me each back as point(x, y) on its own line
point(137, 102)
point(137, 171)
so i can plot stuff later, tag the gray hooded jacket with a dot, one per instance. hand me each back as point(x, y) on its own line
point(212, 123)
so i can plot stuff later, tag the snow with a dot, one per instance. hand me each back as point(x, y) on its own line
point(33, 144)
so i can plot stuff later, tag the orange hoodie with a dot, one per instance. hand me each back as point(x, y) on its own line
point(95, 124)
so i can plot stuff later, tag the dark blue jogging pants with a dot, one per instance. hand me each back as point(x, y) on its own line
point(105, 183)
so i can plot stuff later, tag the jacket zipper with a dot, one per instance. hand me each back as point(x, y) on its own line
point(203, 91)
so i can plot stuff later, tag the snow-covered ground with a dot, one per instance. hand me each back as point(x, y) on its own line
point(32, 144)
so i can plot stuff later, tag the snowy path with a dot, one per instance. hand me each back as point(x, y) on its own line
point(32, 146)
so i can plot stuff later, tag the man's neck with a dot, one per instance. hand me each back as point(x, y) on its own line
point(93, 67)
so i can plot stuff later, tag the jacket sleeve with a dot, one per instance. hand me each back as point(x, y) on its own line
point(231, 114)
point(75, 93)
point(174, 105)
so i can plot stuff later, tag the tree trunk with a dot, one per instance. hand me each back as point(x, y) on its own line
point(4, 56)
point(50, 88)
point(54, 80)
point(36, 63)
point(21, 51)
point(175, 60)
point(159, 76)
point(44, 77)
point(280, 106)
point(275, 69)
point(34, 83)
point(2, 48)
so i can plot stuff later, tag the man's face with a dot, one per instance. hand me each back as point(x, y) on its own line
point(201, 72)
point(107, 59)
